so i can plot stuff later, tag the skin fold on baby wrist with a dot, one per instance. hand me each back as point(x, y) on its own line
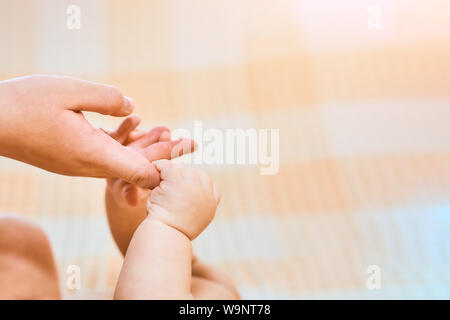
point(155, 219)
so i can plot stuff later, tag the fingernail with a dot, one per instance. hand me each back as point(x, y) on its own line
point(129, 105)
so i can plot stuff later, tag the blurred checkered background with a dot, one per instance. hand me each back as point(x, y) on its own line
point(359, 89)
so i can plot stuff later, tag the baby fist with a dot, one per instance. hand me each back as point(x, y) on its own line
point(186, 198)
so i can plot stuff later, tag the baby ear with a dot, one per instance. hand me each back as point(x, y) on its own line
point(130, 193)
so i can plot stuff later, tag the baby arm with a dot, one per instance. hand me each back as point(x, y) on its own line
point(157, 264)
point(159, 258)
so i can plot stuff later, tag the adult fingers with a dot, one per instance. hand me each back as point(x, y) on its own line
point(136, 134)
point(165, 136)
point(84, 95)
point(125, 128)
point(150, 137)
point(168, 149)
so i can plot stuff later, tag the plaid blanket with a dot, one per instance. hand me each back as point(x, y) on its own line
point(360, 91)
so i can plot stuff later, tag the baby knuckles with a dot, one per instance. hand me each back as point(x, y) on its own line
point(187, 204)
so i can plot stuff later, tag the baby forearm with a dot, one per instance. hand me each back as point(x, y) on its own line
point(157, 264)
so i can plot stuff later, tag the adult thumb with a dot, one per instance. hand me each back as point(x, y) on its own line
point(129, 165)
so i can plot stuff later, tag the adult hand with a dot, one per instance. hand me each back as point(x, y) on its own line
point(42, 124)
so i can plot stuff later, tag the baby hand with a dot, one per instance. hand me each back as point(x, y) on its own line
point(154, 145)
point(186, 198)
